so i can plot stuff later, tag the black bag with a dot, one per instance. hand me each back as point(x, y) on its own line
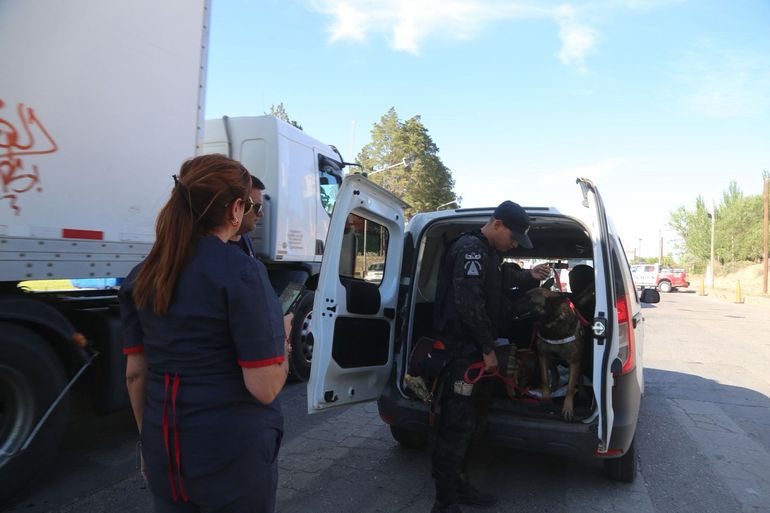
point(429, 357)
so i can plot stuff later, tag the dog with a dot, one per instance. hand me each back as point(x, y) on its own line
point(559, 336)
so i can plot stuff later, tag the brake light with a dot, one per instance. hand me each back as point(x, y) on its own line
point(625, 336)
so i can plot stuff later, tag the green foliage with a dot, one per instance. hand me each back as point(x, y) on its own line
point(737, 229)
point(279, 111)
point(426, 183)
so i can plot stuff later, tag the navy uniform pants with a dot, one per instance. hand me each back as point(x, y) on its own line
point(459, 418)
point(247, 484)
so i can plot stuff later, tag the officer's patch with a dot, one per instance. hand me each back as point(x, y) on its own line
point(472, 264)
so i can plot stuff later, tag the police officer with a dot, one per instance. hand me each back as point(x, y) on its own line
point(467, 313)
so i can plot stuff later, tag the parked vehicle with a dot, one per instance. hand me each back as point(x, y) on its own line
point(374, 272)
point(87, 165)
point(365, 330)
point(664, 279)
point(83, 180)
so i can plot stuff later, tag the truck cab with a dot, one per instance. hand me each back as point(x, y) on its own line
point(366, 329)
point(302, 176)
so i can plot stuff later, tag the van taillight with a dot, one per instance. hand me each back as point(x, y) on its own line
point(625, 336)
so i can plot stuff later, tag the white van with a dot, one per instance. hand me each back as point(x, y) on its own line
point(364, 331)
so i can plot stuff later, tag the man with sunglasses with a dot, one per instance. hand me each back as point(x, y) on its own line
point(254, 206)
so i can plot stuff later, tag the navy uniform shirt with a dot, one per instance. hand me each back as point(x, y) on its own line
point(224, 315)
point(469, 298)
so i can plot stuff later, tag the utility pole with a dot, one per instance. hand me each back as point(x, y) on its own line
point(660, 247)
point(713, 222)
point(764, 254)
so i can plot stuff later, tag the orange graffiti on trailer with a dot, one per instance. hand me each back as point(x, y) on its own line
point(16, 144)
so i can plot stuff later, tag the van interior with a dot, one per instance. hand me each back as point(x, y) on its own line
point(558, 239)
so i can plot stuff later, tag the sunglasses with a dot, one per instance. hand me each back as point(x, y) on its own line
point(248, 205)
point(256, 206)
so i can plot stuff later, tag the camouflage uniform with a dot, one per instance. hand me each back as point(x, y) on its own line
point(467, 314)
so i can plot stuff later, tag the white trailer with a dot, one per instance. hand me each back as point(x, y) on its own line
point(100, 102)
point(302, 176)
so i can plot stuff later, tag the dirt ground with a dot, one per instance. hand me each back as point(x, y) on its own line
point(726, 283)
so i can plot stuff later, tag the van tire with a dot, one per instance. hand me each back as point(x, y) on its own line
point(302, 344)
point(665, 286)
point(408, 438)
point(31, 377)
point(623, 469)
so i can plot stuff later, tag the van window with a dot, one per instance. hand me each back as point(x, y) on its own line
point(364, 247)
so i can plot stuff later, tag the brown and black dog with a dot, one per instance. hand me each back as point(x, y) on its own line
point(559, 336)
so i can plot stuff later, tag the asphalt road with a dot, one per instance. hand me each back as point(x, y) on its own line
point(703, 441)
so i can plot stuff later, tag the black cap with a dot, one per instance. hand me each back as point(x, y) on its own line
point(515, 219)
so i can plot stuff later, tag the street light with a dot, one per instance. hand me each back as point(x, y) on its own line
point(406, 162)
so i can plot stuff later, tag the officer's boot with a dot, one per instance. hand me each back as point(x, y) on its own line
point(468, 494)
point(446, 497)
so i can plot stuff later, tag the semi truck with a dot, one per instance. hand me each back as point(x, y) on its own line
point(100, 103)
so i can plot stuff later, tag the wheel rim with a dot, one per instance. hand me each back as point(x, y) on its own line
point(305, 342)
point(17, 410)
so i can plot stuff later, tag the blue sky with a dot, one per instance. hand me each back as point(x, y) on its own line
point(657, 101)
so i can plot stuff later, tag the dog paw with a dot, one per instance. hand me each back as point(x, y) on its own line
point(568, 410)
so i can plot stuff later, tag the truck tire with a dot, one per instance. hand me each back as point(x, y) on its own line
point(665, 286)
point(623, 469)
point(31, 377)
point(301, 343)
point(407, 438)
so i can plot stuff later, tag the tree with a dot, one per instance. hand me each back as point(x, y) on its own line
point(738, 228)
point(695, 230)
point(425, 182)
point(279, 111)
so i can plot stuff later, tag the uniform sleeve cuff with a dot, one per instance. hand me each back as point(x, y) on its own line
point(253, 364)
point(133, 350)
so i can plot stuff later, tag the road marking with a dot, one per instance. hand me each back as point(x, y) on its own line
point(738, 460)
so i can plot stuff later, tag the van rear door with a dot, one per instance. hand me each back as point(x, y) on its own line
point(353, 326)
point(604, 324)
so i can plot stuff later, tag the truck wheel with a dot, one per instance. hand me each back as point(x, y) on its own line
point(665, 286)
point(31, 377)
point(623, 469)
point(301, 344)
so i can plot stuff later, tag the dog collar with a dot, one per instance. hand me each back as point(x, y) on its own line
point(558, 341)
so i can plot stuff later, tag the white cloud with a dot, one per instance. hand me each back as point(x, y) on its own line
point(577, 39)
point(408, 23)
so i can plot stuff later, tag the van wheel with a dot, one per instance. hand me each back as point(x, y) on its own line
point(665, 286)
point(408, 438)
point(301, 343)
point(623, 469)
point(31, 377)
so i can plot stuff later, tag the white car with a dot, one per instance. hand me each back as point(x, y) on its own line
point(359, 357)
point(374, 272)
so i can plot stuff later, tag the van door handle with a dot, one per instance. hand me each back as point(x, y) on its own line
point(637, 319)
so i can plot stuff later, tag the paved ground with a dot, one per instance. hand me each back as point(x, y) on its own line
point(703, 441)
